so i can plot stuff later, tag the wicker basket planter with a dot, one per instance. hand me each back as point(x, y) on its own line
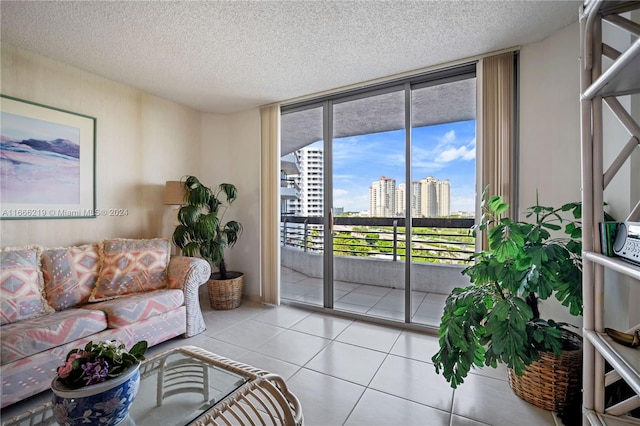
point(225, 294)
point(553, 382)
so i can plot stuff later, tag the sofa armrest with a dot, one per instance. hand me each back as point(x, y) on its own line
point(188, 274)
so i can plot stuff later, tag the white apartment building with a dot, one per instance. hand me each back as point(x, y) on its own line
point(401, 200)
point(416, 198)
point(430, 197)
point(310, 181)
point(382, 198)
point(429, 201)
point(443, 193)
point(436, 197)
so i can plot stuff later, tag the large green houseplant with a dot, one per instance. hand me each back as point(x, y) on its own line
point(496, 319)
point(202, 232)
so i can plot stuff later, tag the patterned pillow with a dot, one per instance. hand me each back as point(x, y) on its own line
point(131, 266)
point(69, 275)
point(21, 285)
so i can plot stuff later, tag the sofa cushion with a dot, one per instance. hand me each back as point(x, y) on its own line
point(69, 275)
point(21, 285)
point(138, 307)
point(131, 266)
point(29, 337)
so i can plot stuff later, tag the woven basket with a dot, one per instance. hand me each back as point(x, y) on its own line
point(553, 382)
point(226, 294)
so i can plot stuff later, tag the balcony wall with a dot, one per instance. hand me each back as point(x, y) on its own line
point(430, 277)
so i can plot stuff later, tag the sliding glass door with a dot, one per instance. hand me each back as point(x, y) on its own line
point(375, 217)
point(302, 205)
point(368, 175)
point(443, 167)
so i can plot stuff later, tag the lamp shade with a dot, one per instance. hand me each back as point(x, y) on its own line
point(174, 193)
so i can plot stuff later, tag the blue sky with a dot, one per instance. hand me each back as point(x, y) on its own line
point(21, 127)
point(445, 151)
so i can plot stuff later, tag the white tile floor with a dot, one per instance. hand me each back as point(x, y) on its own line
point(381, 302)
point(352, 372)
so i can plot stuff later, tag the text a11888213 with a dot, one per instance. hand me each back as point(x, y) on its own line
point(62, 212)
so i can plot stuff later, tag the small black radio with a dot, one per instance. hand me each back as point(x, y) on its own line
point(627, 242)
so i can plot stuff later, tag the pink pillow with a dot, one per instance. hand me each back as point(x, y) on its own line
point(131, 266)
point(21, 285)
point(69, 275)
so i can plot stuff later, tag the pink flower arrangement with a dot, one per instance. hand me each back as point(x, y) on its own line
point(98, 362)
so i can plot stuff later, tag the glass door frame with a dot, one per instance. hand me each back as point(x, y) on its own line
point(407, 85)
point(328, 264)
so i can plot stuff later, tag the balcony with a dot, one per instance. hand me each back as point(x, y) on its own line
point(289, 189)
point(369, 267)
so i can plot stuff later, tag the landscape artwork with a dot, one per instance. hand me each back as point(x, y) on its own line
point(40, 161)
point(47, 162)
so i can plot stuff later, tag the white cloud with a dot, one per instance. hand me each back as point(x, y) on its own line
point(451, 154)
point(448, 138)
point(471, 153)
point(452, 149)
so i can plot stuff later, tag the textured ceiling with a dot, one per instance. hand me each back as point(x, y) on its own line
point(228, 56)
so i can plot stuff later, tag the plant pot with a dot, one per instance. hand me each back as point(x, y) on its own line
point(225, 294)
point(103, 404)
point(553, 382)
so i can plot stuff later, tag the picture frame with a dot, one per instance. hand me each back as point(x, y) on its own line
point(48, 159)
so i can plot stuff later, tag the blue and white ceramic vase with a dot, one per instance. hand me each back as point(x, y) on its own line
point(104, 404)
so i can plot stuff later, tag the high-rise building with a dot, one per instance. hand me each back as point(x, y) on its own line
point(443, 191)
point(429, 198)
point(289, 189)
point(310, 181)
point(416, 198)
point(382, 197)
point(401, 200)
point(435, 198)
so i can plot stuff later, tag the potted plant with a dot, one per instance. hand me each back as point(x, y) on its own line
point(97, 384)
point(202, 231)
point(496, 319)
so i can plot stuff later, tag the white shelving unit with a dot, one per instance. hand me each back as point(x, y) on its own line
point(622, 77)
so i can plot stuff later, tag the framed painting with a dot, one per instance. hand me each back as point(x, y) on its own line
point(47, 162)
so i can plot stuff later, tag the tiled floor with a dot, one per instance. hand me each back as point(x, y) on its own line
point(377, 301)
point(349, 372)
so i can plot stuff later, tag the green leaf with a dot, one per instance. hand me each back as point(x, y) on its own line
point(230, 191)
point(139, 349)
point(490, 322)
point(460, 331)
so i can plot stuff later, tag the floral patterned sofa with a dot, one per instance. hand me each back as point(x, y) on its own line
point(53, 300)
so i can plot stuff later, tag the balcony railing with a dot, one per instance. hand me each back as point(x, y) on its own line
point(435, 240)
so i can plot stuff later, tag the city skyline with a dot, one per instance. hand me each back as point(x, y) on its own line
point(429, 198)
point(444, 152)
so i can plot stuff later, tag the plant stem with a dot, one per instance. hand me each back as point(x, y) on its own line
point(532, 301)
point(223, 270)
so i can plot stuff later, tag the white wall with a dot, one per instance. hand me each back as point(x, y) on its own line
point(549, 156)
point(231, 153)
point(141, 142)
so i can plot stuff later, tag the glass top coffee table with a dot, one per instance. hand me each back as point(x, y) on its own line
point(191, 386)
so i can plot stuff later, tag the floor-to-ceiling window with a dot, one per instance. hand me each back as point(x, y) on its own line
point(375, 217)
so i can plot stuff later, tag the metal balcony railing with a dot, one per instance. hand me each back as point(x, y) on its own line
point(289, 183)
point(435, 240)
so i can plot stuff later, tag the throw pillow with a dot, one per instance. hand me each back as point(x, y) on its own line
point(131, 266)
point(69, 275)
point(21, 285)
